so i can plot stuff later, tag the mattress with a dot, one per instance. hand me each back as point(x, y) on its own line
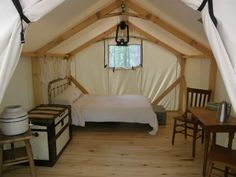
point(116, 108)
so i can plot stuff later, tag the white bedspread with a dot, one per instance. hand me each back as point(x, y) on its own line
point(117, 108)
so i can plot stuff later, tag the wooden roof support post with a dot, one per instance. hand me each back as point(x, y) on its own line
point(79, 27)
point(212, 77)
point(142, 13)
point(182, 88)
point(38, 99)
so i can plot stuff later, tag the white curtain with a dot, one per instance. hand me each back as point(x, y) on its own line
point(222, 39)
point(52, 68)
point(10, 41)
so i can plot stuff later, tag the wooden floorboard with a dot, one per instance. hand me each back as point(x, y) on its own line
point(122, 150)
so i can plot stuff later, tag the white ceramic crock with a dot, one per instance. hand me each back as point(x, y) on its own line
point(14, 120)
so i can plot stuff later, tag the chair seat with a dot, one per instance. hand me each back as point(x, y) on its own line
point(223, 155)
point(183, 119)
point(189, 121)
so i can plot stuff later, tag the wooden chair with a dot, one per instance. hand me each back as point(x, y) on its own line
point(221, 155)
point(194, 98)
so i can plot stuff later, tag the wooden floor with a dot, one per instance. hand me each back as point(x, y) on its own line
point(122, 150)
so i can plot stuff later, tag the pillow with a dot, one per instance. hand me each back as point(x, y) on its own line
point(68, 96)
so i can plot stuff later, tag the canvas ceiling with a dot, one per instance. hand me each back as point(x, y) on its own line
point(74, 11)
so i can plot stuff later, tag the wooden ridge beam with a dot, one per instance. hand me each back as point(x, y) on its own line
point(172, 86)
point(155, 40)
point(168, 27)
point(92, 41)
point(79, 27)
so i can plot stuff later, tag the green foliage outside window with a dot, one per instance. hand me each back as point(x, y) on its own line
point(124, 56)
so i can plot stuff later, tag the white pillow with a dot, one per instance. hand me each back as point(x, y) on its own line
point(68, 96)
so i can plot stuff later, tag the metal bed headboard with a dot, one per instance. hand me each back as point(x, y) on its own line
point(57, 86)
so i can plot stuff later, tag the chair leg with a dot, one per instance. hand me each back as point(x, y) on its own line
point(185, 130)
point(226, 172)
point(174, 131)
point(194, 142)
point(202, 136)
point(209, 169)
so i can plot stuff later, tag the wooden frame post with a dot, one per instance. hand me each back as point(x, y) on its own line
point(182, 87)
point(36, 81)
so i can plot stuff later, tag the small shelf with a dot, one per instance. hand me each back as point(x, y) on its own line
point(14, 156)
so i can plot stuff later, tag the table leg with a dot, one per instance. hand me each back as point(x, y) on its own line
point(30, 157)
point(194, 137)
point(1, 158)
point(207, 140)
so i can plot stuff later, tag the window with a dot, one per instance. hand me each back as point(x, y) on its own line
point(124, 56)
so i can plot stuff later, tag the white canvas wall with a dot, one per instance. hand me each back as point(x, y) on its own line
point(20, 88)
point(89, 69)
point(160, 70)
point(197, 73)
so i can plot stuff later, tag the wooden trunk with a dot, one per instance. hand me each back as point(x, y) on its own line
point(51, 131)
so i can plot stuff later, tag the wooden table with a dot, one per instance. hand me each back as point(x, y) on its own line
point(207, 119)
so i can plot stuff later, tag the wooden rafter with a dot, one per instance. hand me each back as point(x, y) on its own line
point(77, 28)
point(105, 13)
point(92, 41)
point(155, 40)
point(171, 29)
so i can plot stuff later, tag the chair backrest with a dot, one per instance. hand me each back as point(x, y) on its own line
point(197, 97)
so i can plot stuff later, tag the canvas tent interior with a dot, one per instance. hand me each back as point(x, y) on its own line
point(176, 52)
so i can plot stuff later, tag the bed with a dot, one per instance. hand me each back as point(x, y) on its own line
point(94, 108)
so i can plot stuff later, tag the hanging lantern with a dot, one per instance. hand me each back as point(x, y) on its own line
point(122, 34)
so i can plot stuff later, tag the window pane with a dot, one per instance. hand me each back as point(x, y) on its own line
point(124, 56)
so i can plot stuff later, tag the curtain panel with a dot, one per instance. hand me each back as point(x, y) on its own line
point(52, 68)
point(10, 39)
point(222, 39)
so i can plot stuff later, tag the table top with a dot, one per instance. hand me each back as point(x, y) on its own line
point(209, 118)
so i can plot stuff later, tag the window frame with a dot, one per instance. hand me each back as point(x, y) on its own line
point(107, 59)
